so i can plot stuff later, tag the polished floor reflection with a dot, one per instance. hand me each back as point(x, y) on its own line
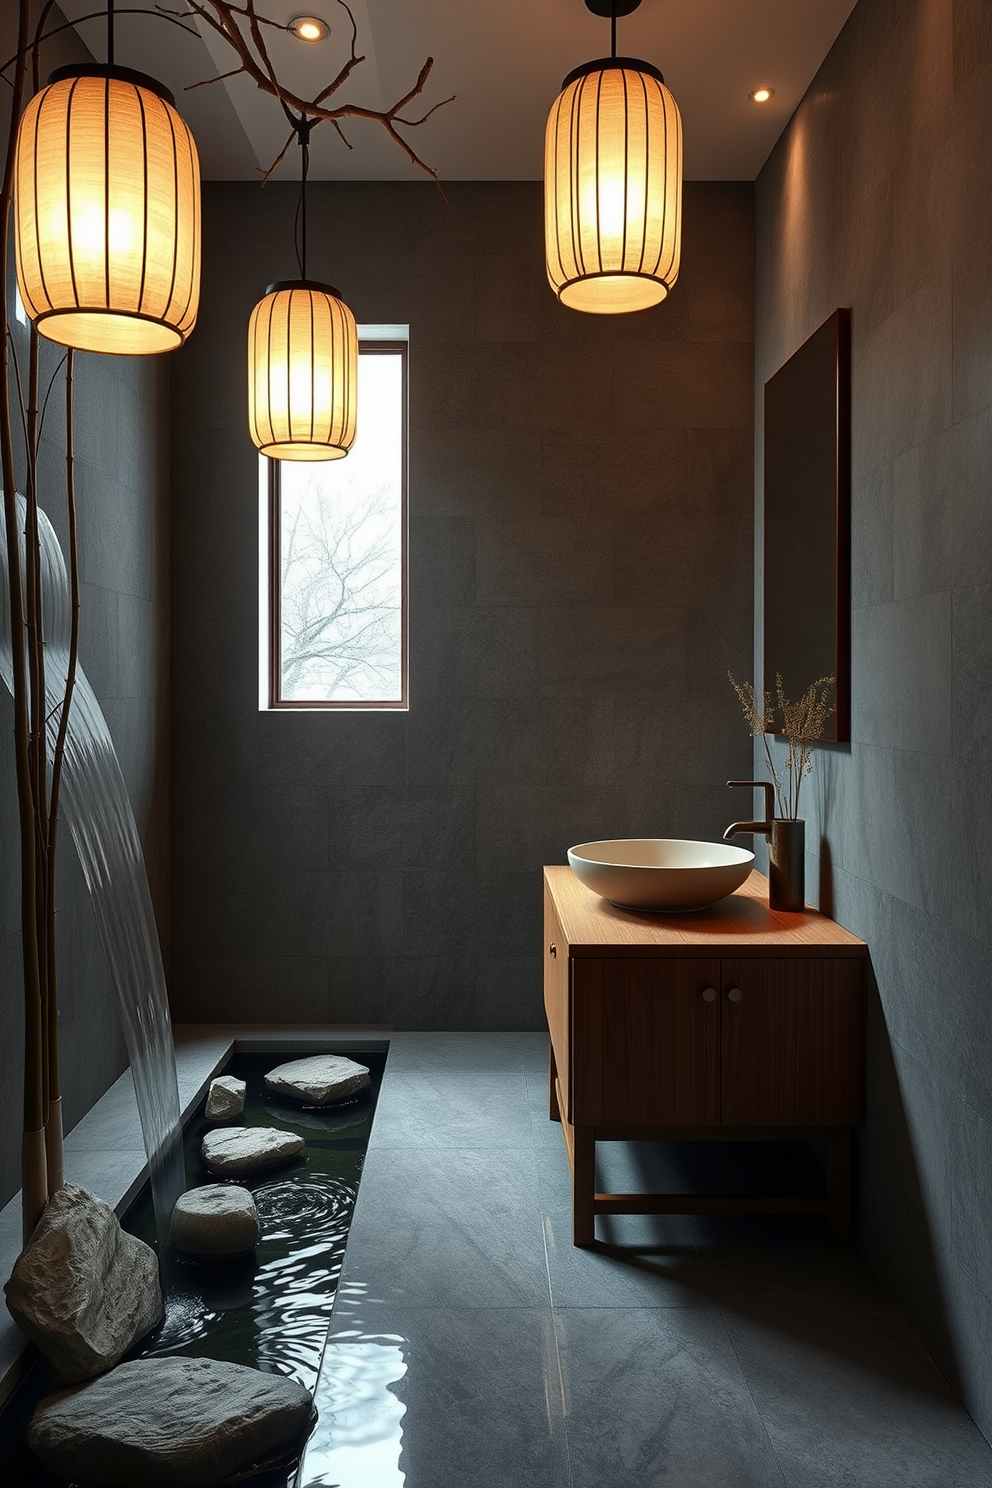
point(472, 1346)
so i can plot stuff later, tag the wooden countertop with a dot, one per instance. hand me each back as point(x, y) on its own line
point(740, 925)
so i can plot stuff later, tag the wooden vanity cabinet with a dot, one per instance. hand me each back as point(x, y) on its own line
point(746, 1024)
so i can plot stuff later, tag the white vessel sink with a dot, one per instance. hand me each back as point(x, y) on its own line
point(660, 873)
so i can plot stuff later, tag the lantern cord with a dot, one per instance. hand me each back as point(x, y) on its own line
point(613, 30)
point(303, 127)
point(110, 33)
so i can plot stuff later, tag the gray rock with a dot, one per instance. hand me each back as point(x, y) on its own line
point(168, 1421)
point(321, 1080)
point(246, 1149)
point(217, 1219)
point(83, 1289)
point(225, 1098)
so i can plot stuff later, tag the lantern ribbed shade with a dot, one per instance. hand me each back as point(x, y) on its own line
point(302, 375)
point(613, 191)
point(107, 217)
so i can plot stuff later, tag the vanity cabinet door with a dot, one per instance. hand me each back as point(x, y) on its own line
point(645, 1042)
point(792, 1043)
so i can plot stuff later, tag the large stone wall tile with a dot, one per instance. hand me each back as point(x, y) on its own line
point(421, 992)
point(901, 377)
point(509, 994)
point(442, 560)
point(872, 525)
point(972, 718)
point(466, 469)
point(330, 749)
point(336, 913)
point(250, 989)
point(888, 820)
point(402, 828)
point(618, 648)
point(901, 672)
point(972, 306)
point(702, 385)
point(536, 559)
point(941, 489)
point(283, 826)
point(475, 652)
point(972, 38)
point(440, 745)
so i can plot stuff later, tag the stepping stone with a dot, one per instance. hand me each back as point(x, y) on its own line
point(217, 1219)
point(321, 1080)
point(83, 1289)
point(225, 1098)
point(168, 1421)
point(247, 1149)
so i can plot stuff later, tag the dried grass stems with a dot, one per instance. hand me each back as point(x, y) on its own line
point(802, 724)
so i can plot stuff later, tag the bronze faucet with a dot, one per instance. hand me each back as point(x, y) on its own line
point(765, 827)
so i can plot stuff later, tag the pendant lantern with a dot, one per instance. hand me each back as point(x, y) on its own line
point(302, 372)
point(107, 213)
point(613, 183)
point(302, 356)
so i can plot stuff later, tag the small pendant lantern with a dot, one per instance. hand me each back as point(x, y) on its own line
point(302, 358)
point(613, 183)
point(107, 211)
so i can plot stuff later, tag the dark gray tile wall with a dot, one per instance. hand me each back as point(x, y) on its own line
point(122, 469)
point(879, 196)
point(580, 581)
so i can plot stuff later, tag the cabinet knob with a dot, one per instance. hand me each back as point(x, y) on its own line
point(553, 949)
point(709, 994)
point(735, 994)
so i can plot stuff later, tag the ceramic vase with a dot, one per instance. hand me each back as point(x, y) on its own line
point(787, 865)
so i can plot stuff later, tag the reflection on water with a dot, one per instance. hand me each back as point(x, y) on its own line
point(358, 1437)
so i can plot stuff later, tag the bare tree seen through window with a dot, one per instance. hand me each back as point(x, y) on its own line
point(341, 577)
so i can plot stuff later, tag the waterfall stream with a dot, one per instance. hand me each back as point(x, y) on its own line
point(96, 807)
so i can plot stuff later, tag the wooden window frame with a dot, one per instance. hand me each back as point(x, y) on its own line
point(276, 700)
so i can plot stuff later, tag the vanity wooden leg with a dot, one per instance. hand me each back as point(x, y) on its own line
point(839, 1187)
point(583, 1185)
point(554, 1110)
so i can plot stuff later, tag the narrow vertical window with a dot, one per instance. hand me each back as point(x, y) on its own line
point(337, 589)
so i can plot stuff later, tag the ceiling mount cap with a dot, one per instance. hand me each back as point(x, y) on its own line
point(606, 7)
point(315, 284)
point(603, 64)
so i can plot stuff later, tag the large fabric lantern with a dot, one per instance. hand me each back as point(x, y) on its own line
point(107, 213)
point(613, 188)
point(302, 372)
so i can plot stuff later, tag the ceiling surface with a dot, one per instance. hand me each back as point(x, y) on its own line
point(502, 59)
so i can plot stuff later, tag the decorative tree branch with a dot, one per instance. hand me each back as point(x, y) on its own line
point(222, 16)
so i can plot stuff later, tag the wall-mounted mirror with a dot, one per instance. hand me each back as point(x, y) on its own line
point(807, 519)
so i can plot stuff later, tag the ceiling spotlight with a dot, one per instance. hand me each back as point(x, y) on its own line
point(761, 95)
point(309, 28)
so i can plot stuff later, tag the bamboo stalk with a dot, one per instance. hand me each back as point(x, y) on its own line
point(34, 1187)
point(53, 1144)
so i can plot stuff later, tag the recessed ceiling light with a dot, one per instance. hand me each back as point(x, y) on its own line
point(761, 95)
point(309, 28)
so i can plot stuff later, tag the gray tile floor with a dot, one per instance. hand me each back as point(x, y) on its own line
point(473, 1347)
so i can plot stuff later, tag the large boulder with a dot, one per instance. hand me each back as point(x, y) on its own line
point(168, 1421)
point(225, 1098)
point(247, 1149)
point(321, 1080)
point(83, 1289)
point(217, 1219)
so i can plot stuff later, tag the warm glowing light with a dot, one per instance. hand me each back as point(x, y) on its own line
point(309, 28)
point(613, 188)
point(107, 213)
point(761, 95)
point(302, 372)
